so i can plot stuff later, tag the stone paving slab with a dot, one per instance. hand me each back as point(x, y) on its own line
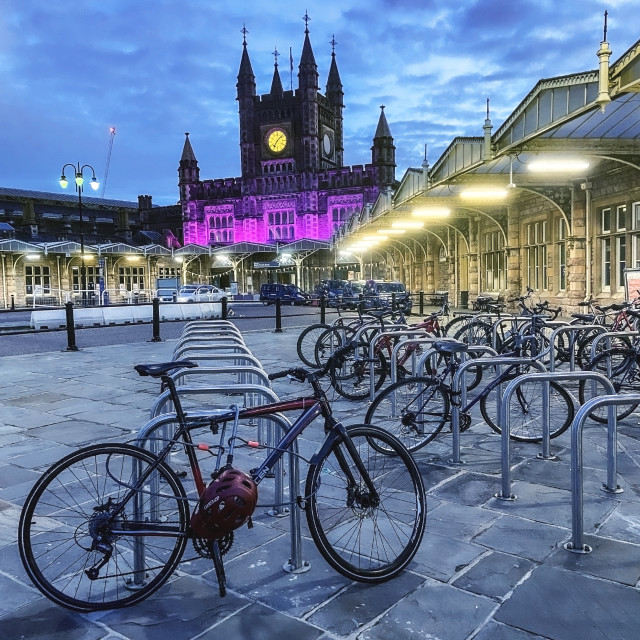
point(487, 569)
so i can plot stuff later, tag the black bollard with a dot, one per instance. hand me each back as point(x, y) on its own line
point(422, 303)
point(394, 302)
point(360, 303)
point(156, 321)
point(323, 309)
point(13, 302)
point(71, 329)
point(278, 315)
point(225, 308)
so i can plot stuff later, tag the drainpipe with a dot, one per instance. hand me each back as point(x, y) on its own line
point(586, 187)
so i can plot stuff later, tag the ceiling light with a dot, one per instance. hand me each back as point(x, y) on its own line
point(407, 224)
point(484, 193)
point(557, 166)
point(431, 212)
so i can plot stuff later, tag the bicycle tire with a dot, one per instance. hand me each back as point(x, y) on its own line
point(475, 333)
point(328, 341)
point(526, 410)
point(421, 409)
point(353, 379)
point(364, 538)
point(66, 518)
point(306, 344)
point(456, 324)
point(620, 366)
point(583, 354)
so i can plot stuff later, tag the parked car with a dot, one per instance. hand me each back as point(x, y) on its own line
point(167, 295)
point(379, 294)
point(351, 293)
point(333, 291)
point(200, 293)
point(287, 293)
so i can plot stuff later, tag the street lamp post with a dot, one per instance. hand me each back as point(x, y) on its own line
point(79, 180)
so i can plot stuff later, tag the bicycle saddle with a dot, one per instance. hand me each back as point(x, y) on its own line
point(158, 369)
point(450, 347)
point(585, 317)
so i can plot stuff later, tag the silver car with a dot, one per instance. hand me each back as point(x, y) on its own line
point(200, 293)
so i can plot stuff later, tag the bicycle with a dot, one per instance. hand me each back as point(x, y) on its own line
point(622, 367)
point(416, 409)
point(107, 525)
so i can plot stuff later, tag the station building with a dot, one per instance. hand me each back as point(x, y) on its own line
point(548, 199)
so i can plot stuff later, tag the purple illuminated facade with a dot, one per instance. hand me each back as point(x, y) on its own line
point(293, 183)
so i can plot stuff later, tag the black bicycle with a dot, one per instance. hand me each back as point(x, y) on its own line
point(416, 409)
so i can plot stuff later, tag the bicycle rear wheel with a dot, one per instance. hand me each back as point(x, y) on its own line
point(328, 341)
point(475, 333)
point(414, 410)
point(83, 547)
point(306, 345)
point(525, 410)
point(367, 536)
point(352, 380)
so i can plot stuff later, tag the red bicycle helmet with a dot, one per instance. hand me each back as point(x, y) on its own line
point(226, 504)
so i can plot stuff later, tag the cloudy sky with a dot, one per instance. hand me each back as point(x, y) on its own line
point(154, 69)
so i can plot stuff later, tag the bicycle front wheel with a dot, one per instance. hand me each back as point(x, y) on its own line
point(525, 410)
point(366, 510)
point(414, 410)
point(620, 366)
point(89, 540)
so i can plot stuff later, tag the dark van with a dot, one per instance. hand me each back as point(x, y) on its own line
point(286, 293)
point(333, 290)
point(379, 294)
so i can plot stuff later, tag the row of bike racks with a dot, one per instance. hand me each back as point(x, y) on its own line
point(219, 343)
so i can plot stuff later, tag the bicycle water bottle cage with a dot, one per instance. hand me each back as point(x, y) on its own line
point(226, 504)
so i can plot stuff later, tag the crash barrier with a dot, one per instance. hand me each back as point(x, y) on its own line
point(83, 317)
point(577, 503)
point(505, 421)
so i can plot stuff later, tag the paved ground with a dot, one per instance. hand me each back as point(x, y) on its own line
point(487, 568)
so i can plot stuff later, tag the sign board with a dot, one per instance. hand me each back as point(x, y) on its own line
point(632, 283)
point(266, 265)
point(234, 288)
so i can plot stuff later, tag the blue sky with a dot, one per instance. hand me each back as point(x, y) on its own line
point(155, 69)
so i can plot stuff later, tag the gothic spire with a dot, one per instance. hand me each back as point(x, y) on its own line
point(276, 83)
point(334, 84)
point(307, 59)
point(187, 150)
point(383, 130)
point(246, 79)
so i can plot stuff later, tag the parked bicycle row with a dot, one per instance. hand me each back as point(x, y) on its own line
point(421, 359)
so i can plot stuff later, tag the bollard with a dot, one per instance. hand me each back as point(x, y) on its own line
point(225, 308)
point(323, 309)
point(13, 302)
point(71, 329)
point(278, 315)
point(422, 303)
point(394, 302)
point(156, 320)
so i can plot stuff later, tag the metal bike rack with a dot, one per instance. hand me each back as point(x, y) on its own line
point(372, 347)
point(505, 419)
point(415, 364)
point(577, 504)
point(233, 347)
point(570, 329)
point(246, 374)
point(211, 339)
point(457, 387)
point(295, 563)
point(235, 358)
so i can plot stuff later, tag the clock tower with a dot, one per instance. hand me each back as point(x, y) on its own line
point(290, 130)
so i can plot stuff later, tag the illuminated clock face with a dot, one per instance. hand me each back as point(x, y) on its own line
point(277, 140)
point(326, 144)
